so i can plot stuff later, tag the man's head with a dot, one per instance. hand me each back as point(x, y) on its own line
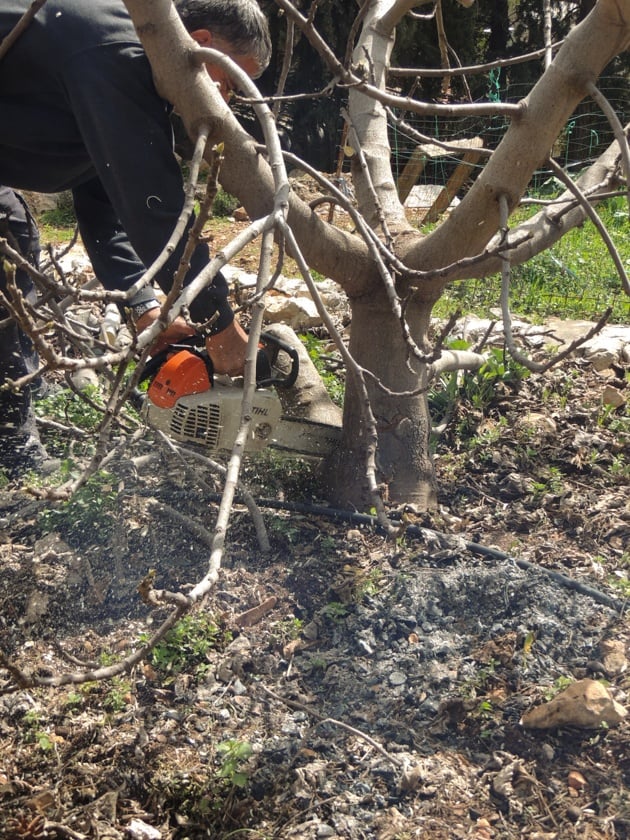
point(237, 28)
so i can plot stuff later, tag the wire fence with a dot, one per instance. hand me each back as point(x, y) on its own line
point(577, 277)
point(585, 136)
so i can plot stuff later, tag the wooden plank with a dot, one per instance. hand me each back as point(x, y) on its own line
point(416, 163)
point(410, 174)
point(455, 183)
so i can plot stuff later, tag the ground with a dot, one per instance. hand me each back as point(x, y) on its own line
point(342, 685)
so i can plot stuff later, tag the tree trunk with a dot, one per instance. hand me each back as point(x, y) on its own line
point(405, 469)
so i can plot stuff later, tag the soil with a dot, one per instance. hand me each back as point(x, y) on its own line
point(342, 685)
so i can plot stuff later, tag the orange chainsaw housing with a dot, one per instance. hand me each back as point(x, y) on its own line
point(183, 374)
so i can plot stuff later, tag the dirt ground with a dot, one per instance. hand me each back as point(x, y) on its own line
point(342, 685)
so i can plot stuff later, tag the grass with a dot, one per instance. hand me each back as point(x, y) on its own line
point(576, 278)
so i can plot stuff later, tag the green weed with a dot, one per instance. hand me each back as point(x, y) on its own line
point(224, 204)
point(287, 630)
point(234, 754)
point(91, 510)
point(67, 407)
point(57, 225)
point(559, 685)
point(117, 697)
point(335, 385)
point(34, 733)
point(187, 645)
point(619, 580)
point(285, 528)
point(482, 387)
point(480, 682)
point(478, 390)
point(553, 481)
point(335, 610)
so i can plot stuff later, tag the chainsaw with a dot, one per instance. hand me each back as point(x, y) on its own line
point(187, 402)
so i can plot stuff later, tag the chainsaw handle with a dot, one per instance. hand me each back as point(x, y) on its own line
point(276, 345)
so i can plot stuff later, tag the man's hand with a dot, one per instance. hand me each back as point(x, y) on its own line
point(175, 332)
point(227, 350)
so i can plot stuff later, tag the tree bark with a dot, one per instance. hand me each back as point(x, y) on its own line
point(405, 467)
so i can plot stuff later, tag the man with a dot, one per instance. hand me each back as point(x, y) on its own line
point(79, 111)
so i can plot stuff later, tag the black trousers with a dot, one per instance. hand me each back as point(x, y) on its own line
point(17, 355)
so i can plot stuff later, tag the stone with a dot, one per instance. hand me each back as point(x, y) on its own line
point(613, 656)
point(300, 313)
point(611, 396)
point(586, 704)
point(540, 423)
point(139, 830)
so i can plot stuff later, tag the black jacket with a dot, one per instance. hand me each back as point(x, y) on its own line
point(79, 111)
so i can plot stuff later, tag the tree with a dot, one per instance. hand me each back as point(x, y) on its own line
point(394, 275)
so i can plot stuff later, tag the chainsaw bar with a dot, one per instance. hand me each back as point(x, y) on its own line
point(297, 436)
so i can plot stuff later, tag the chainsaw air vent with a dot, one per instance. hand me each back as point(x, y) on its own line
point(197, 423)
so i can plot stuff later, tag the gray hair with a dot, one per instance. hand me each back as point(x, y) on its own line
point(241, 23)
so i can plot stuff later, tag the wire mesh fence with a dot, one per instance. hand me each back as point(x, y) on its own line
point(585, 136)
point(577, 277)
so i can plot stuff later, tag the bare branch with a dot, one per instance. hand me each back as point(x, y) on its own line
point(355, 81)
point(615, 122)
point(18, 29)
point(471, 69)
point(524, 360)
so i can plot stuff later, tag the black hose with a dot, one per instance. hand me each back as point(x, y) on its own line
point(473, 547)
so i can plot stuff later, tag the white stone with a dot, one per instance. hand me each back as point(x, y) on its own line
point(299, 313)
point(139, 830)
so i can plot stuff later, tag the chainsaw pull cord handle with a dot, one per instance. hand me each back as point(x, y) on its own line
point(271, 347)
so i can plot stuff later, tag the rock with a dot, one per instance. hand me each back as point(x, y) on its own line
point(601, 357)
point(43, 202)
point(540, 423)
point(586, 704)
point(576, 781)
point(139, 830)
point(604, 350)
point(611, 396)
point(300, 313)
point(36, 607)
point(291, 294)
point(613, 656)
point(611, 345)
point(85, 378)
